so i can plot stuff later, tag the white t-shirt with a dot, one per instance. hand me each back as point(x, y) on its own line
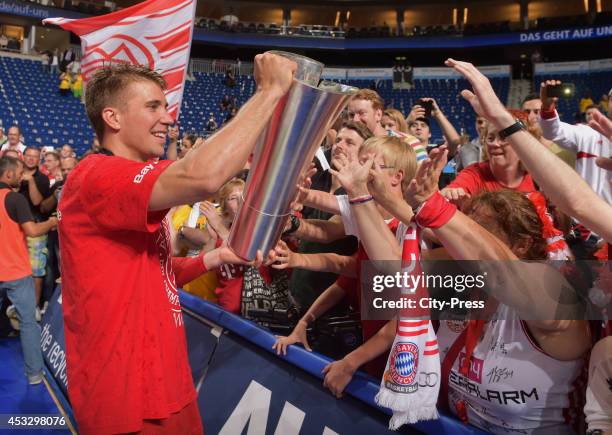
point(598, 408)
point(20, 148)
point(512, 386)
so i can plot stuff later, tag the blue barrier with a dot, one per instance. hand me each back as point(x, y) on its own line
point(244, 368)
point(242, 383)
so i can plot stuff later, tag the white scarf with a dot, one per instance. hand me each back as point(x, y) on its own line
point(411, 381)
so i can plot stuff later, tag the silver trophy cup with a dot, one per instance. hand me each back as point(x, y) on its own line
point(285, 149)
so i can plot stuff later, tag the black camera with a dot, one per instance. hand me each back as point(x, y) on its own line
point(427, 105)
point(564, 90)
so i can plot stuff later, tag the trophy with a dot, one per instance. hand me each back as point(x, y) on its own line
point(284, 150)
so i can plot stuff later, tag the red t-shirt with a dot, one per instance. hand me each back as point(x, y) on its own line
point(478, 177)
point(125, 340)
point(369, 328)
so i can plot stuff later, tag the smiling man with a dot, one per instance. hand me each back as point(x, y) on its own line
point(125, 340)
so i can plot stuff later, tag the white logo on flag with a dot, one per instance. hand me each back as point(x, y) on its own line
point(157, 35)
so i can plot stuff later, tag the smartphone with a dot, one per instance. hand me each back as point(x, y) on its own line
point(564, 90)
point(427, 105)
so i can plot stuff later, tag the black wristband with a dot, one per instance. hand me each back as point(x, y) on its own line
point(517, 126)
point(295, 224)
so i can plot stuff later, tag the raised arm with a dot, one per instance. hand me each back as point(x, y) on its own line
point(379, 242)
point(204, 170)
point(563, 134)
point(450, 133)
point(562, 185)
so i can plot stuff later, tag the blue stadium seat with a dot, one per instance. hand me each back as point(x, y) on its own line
point(29, 98)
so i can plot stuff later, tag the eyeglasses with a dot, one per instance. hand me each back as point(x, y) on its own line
point(528, 111)
point(380, 166)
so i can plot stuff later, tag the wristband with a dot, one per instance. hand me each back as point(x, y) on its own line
point(295, 224)
point(508, 131)
point(549, 114)
point(361, 199)
point(435, 212)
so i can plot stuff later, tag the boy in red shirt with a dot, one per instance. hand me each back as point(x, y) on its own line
point(125, 342)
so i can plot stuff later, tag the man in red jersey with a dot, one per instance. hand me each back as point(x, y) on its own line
point(125, 342)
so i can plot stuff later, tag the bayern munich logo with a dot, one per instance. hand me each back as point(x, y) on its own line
point(404, 363)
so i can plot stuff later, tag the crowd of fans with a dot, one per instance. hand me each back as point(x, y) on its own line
point(503, 195)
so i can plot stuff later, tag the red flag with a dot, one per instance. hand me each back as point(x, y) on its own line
point(154, 33)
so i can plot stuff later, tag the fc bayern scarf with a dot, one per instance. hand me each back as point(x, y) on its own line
point(411, 381)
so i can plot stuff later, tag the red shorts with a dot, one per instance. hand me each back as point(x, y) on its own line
point(185, 422)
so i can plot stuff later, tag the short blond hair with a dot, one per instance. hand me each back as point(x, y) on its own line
point(372, 96)
point(395, 153)
point(226, 190)
point(108, 83)
point(398, 117)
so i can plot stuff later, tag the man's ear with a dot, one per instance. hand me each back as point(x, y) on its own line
point(398, 177)
point(112, 117)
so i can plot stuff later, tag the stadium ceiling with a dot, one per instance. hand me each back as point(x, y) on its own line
point(345, 3)
point(404, 4)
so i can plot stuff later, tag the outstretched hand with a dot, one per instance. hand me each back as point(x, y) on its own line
point(377, 185)
point(303, 186)
point(353, 175)
point(227, 256)
point(425, 182)
point(284, 256)
point(601, 123)
point(483, 100)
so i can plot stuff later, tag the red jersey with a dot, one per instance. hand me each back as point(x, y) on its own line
point(478, 177)
point(369, 328)
point(125, 341)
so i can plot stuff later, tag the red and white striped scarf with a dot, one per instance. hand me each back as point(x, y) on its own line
point(411, 381)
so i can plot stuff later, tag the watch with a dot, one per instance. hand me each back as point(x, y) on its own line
point(517, 126)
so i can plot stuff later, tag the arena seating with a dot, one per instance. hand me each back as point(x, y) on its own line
point(597, 82)
point(203, 95)
point(30, 98)
point(47, 118)
point(445, 92)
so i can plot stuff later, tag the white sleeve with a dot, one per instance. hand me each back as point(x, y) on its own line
point(598, 408)
point(571, 137)
point(350, 225)
point(192, 220)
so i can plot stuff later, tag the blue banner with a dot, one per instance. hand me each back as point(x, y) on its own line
point(242, 383)
point(246, 385)
point(52, 341)
point(33, 10)
point(39, 12)
point(456, 41)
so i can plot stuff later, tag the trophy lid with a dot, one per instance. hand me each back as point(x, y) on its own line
point(308, 70)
